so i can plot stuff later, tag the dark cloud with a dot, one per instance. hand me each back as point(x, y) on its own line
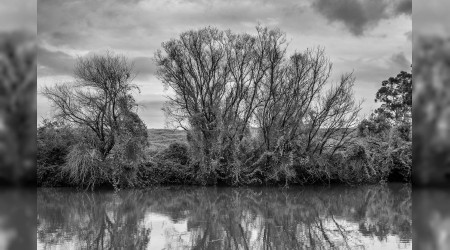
point(399, 60)
point(54, 62)
point(87, 24)
point(404, 7)
point(143, 25)
point(360, 15)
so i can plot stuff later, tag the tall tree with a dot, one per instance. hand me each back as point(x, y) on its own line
point(216, 76)
point(396, 97)
point(298, 108)
point(227, 83)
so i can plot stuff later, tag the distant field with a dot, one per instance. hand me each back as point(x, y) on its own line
point(162, 138)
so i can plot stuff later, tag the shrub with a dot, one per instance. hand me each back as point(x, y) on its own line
point(171, 165)
point(378, 157)
point(177, 153)
point(54, 140)
point(374, 126)
point(84, 167)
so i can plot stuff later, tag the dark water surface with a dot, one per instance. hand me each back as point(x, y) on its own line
point(337, 217)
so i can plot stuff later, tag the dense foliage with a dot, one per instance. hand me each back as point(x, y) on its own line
point(396, 96)
point(54, 140)
point(100, 107)
point(252, 114)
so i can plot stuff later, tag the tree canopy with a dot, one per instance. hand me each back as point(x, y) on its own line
point(100, 102)
point(227, 84)
point(396, 97)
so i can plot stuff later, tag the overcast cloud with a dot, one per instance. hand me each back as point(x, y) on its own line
point(360, 16)
point(370, 38)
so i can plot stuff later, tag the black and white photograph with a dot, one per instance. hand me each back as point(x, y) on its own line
point(224, 124)
point(233, 124)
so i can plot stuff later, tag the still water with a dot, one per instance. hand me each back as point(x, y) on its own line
point(336, 217)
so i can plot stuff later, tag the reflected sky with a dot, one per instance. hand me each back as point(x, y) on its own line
point(368, 217)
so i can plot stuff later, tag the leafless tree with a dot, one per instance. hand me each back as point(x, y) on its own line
point(98, 99)
point(225, 83)
point(298, 109)
point(194, 67)
point(216, 76)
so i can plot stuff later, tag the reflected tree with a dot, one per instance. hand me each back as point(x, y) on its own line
point(227, 218)
point(96, 221)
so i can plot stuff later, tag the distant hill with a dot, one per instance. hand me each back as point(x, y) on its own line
point(162, 138)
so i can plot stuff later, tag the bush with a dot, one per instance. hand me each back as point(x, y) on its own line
point(171, 165)
point(83, 166)
point(177, 153)
point(374, 126)
point(362, 163)
point(54, 140)
point(378, 156)
point(382, 156)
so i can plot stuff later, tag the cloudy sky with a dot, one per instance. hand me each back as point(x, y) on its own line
point(370, 38)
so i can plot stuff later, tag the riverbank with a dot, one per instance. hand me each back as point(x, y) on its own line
point(169, 161)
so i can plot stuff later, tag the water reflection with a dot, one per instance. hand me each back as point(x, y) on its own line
point(369, 217)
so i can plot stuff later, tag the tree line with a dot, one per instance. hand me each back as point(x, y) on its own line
point(253, 115)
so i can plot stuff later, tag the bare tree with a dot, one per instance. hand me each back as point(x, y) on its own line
point(224, 83)
point(217, 77)
point(100, 101)
point(194, 67)
point(297, 109)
